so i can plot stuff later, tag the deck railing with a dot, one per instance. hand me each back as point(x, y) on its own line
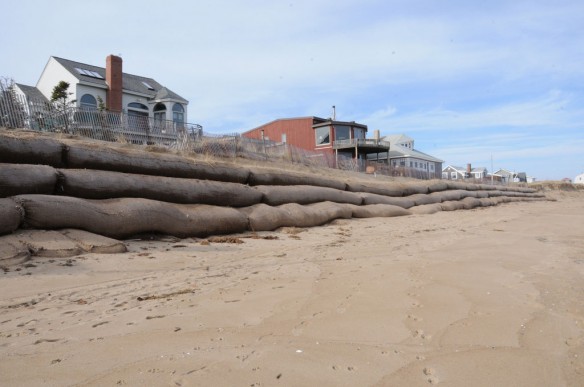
point(360, 142)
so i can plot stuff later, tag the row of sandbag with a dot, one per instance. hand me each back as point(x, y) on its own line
point(70, 153)
point(17, 179)
point(124, 217)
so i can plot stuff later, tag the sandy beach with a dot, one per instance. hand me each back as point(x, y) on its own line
point(485, 297)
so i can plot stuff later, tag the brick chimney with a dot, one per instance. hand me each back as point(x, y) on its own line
point(113, 78)
point(468, 169)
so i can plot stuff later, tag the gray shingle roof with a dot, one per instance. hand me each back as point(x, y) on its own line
point(398, 151)
point(130, 82)
point(31, 92)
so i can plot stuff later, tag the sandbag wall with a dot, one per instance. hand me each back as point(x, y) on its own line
point(49, 183)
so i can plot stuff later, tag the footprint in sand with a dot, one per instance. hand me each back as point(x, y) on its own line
point(429, 373)
point(421, 334)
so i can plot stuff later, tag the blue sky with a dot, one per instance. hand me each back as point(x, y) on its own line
point(468, 80)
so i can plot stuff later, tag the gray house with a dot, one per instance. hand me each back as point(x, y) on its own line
point(402, 154)
point(122, 92)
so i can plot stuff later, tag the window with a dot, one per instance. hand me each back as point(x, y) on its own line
point(284, 138)
point(138, 117)
point(159, 112)
point(359, 133)
point(411, 164)
point(88, 102)
point(147, 85)
point(160, 116)
point(431, 167)
point(322, 135)
point(342, 132)
point(445, 175)
point(178, 114)
point(137, 106)
point(88, 73)
point(453, 175)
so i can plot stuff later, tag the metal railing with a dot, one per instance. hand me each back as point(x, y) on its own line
point(19, 112)
point(360, 142)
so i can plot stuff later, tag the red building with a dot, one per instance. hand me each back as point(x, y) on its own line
point(317, 134)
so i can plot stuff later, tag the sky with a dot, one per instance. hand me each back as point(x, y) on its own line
point(498, 84)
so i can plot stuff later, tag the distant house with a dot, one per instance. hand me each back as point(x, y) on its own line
point(452, 172)
point(136, 95)
point(507, 176)
point(579, 179)
point(402, 154)
point(327, 136)
point(479, 173)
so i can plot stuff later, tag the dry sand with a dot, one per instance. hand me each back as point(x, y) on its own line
point(487, 297)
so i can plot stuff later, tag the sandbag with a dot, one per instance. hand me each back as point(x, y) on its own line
point(12, 251)
point(452, 205)
point(481, 194)
point(415, 188)
point(317, 214)
point(390, 189)
point(369, 198)
point(378, 211)
point(11, 214)
point(437, 186)
point(94, 243)
point(420, 199)
point(487, 202)
point(267, 218)
point(263, 217)
point(426, 209)
point(106, 185)
point(495, 193)
point(258, 176)
point(31, 149)
point(456, 185)
point(17, 179)
point(486, 187)
point(121, 218)
point(275, 195)
point(470, 203)
point(92, 156)
point(450, 195)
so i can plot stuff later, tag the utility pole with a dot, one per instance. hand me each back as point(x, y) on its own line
point(492, 171)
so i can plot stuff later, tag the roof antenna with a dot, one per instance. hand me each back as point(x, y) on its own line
point(334, 113)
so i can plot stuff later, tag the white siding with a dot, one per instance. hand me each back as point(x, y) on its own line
point(86, 89)
point(52, 75)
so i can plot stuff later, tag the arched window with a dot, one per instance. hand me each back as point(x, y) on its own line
point(159, 112)
point(178, 114)
point(138, 116)
point(88, 102)
point(137, 106)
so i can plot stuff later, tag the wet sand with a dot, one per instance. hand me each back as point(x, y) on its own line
point(485, 297)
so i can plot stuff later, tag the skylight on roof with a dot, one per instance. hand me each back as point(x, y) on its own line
point(89, 73)
point(147, 85)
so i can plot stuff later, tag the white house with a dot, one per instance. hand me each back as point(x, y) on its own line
point(132, 94)
point(403, 154)
point(451, 172)
point(579, 179)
